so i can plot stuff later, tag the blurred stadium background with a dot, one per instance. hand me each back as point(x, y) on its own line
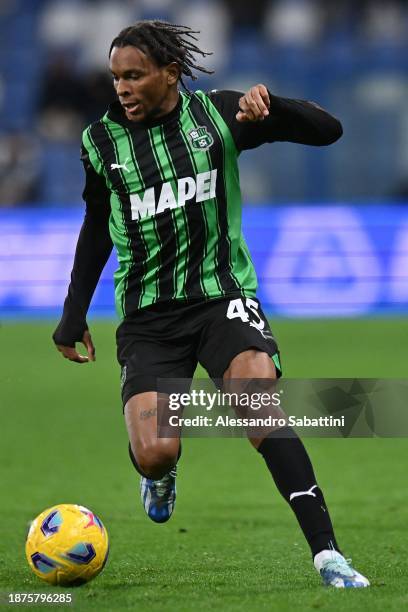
point(328, 228)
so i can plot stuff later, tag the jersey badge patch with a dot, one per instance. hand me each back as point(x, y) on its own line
point(200, 139)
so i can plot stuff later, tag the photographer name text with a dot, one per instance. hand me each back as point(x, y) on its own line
point(229, 421)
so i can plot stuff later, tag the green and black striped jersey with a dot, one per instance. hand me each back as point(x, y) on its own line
point(175, 205)
point(166, 193)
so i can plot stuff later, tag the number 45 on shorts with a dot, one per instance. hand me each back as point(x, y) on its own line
point(248, 312)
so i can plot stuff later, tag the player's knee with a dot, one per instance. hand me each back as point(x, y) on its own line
point(251, 364)
point(261, 366)
point(157, 458)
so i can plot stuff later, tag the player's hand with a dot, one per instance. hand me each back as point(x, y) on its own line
point(254, 105)
point(71, 353)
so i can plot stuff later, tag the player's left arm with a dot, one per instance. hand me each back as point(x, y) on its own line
point(258, 116)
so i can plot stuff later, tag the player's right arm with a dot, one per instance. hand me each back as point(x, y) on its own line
point(93, 249)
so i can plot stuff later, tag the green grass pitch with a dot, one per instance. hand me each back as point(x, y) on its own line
point(232, 544)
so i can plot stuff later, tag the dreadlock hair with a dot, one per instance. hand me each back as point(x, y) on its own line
point(165, 43)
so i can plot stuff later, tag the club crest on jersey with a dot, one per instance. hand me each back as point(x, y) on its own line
point(200, 138)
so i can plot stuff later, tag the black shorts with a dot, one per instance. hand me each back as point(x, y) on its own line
point(168, 340)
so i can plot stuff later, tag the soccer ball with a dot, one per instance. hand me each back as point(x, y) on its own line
point(67, 545)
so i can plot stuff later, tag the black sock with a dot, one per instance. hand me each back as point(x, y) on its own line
point(136, 465)
point(292, 471)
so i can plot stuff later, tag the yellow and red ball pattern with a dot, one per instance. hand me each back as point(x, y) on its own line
point(67, 545)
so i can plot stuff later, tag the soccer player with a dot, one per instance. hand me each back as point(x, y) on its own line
point(162, 185)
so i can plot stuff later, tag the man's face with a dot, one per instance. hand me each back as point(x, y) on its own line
point(144, 89)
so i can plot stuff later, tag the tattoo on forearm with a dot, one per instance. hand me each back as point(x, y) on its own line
point(146, 414)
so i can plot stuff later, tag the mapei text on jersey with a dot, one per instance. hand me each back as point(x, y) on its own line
point(202, 187)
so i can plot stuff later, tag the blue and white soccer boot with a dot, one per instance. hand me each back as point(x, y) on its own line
point(159, 496)
point(336, 571)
